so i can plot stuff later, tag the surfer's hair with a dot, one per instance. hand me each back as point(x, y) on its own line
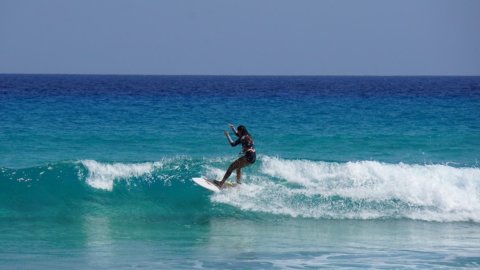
point(242, 130)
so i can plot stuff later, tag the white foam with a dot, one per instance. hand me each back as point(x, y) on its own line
point(297, 188)
point(103, 175)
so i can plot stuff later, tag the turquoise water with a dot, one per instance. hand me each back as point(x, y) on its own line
point(352, 172)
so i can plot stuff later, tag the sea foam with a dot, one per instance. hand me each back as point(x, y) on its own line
point(360, 190)
point(103, 175)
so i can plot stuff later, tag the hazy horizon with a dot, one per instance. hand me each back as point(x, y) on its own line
point(231, 75)
point(248, 38)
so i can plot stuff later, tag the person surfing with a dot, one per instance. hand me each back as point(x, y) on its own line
point(248, 153)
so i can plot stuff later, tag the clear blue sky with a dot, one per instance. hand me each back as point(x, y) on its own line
point(247, 37)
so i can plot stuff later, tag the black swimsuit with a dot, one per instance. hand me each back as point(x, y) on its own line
point(248, 148)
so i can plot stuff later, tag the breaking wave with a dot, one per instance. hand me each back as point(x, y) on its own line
point(272, 187)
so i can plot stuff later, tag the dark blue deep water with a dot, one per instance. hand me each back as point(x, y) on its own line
point(352, 172)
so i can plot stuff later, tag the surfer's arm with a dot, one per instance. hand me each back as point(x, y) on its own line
point(233, 129)
point(232, 143)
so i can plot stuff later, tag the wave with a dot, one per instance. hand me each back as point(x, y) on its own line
point(273, 187)
point(103, 175)
point(361, 190)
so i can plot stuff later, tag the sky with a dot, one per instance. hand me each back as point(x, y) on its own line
point(247, 37)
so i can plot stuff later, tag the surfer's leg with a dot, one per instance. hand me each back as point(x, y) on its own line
point(225, 177)
point(237, 164)
point(230, 169)
point(239, 175)
point(243, 162)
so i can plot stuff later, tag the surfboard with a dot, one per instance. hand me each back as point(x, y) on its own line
point(210, 185)
point(206, 184)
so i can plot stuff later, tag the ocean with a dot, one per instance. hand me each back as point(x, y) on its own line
point(352, 172)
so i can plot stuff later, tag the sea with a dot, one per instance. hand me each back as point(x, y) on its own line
point(352, 172)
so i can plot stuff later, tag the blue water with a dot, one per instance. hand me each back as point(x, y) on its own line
point(352, 172)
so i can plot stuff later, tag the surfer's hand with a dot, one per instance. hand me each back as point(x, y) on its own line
point(226, 133)
point(231, 126)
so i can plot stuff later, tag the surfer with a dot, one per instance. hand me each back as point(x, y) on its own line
point(248, 153)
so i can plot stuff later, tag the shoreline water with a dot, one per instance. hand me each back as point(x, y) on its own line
point(234, 244)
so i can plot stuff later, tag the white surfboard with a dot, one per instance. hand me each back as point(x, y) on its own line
point(206, 184)
point(210, 185)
